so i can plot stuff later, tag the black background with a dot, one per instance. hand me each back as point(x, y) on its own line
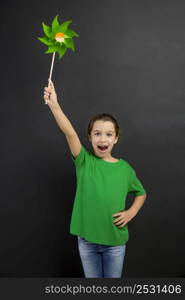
point(130, 62)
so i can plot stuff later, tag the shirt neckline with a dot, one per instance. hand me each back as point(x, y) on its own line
point(105, 161)
point(110, 162)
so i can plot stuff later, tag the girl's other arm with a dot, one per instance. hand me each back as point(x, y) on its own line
point(137, 204)
point(63, 122)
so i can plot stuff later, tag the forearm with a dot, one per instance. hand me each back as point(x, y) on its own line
point(137, 204)
point(61, 119)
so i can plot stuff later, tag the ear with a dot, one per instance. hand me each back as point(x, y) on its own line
point(116, 139)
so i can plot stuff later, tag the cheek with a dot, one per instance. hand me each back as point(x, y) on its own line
point(94, 139)
point(111, 140)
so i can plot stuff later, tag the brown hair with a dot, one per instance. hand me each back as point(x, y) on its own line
point(103, 117)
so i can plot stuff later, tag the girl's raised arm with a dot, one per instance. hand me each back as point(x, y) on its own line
point(63, 122)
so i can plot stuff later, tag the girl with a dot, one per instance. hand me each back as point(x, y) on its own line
point(99, 219)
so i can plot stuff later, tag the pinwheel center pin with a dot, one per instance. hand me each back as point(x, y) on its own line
point(59, 37)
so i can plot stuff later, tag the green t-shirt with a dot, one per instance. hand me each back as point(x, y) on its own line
point(102, 188)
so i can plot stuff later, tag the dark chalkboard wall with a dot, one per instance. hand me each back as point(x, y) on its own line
point(130, 62)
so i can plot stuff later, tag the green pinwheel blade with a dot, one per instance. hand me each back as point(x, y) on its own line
point(62, 51)
point(46, 29)
point(70, 44)
point(64, 26)
point(46, 41)
point(71, 33)
point(51, 49)
point(55, 25)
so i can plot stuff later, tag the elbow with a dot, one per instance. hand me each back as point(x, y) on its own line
point(145, 196)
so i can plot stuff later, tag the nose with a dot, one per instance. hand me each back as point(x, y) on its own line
point(102, 138)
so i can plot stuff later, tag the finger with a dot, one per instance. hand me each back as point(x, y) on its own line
point(117, 220)
point(49, 90)
point(115, 215)
point(46, 101)
point(118, 223)
point(46, 97)
point(123, 224)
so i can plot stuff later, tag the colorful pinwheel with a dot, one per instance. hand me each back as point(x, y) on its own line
point(58, 37)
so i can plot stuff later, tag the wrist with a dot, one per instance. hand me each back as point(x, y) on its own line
point(53, 106)
point(133, 210)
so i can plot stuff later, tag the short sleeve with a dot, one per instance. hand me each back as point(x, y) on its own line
point(135, 186)
point(79, 160)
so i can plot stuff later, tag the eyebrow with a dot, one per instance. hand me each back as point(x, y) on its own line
point(100, 130)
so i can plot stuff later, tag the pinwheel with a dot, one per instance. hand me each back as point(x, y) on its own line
point(58, 37)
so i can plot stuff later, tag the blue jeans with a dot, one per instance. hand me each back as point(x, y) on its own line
point(101, 260)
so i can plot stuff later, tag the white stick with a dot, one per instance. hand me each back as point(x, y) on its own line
point(51, 71)
point(52, 63)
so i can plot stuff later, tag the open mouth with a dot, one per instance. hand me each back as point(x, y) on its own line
point(102, 148)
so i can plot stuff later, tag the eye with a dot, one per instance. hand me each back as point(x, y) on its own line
point(109, 134)
point(97, 133)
